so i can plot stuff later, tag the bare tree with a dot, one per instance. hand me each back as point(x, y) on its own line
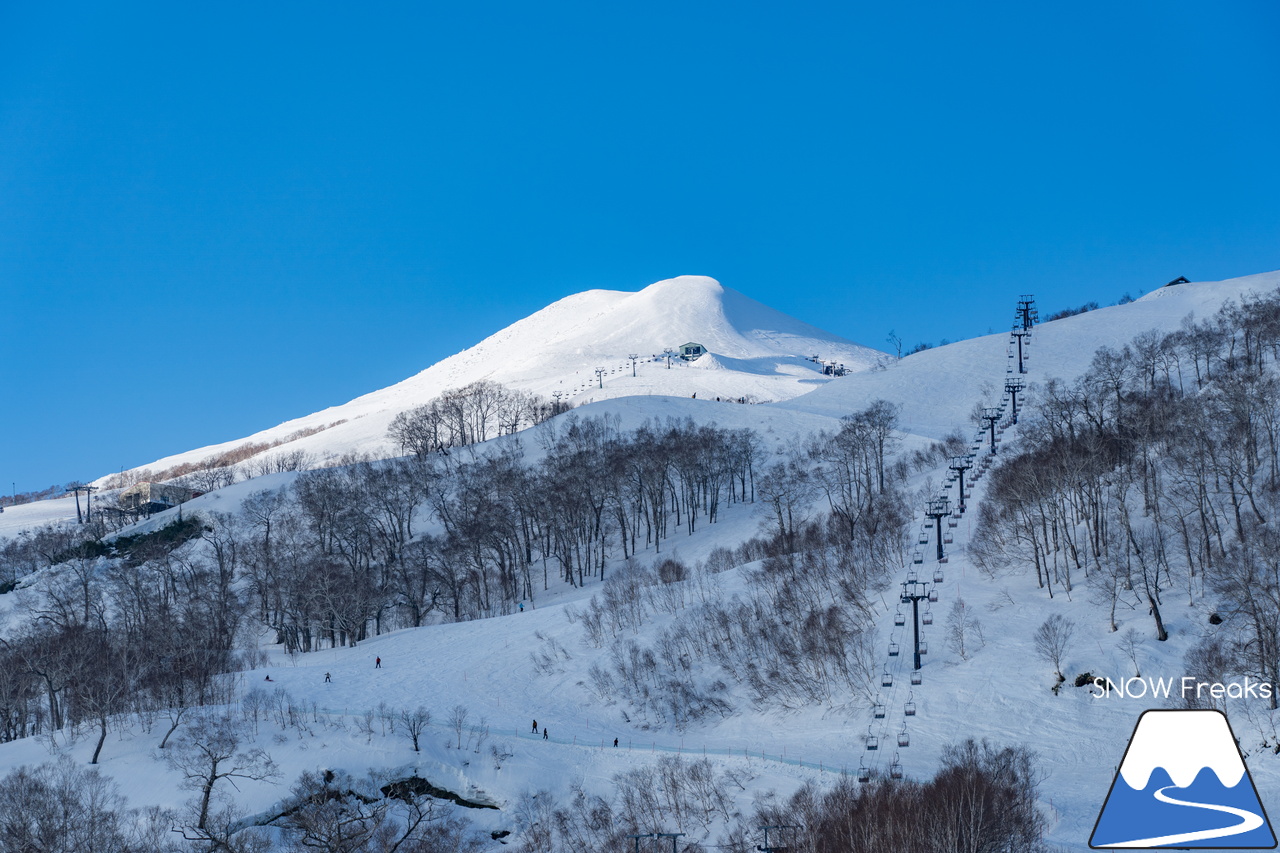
point(210, 751)
point(964, 631)
point(61, 808)
point(412, 723)
point(1129, 644)
point(333, 812)
point(1051, 641)
point(458, 721)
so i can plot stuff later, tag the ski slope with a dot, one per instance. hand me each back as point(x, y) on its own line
point(1000, 692)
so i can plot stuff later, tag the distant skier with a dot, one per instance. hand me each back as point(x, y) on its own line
point(327, 679)
point(544, 733)
point(268, 678)
point(615, 743)
point(522, 607)
point(377, 663)
point(694, 395)
point(535, 727)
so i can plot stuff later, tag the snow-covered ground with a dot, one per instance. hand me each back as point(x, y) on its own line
point(16, 519)
point(1001, 691)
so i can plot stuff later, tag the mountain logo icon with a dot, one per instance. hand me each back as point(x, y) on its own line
point(1182, 784)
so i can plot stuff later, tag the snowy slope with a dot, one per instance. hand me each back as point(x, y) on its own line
point(1001, 692)
point(754, 351)
point(937, 388)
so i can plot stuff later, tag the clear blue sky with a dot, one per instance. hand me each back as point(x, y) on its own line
point(215, 217)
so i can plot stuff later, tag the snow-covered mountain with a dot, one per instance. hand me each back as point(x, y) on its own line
point(1000, 693)
point(753, 351)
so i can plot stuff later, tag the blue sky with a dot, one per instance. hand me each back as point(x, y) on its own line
point(215, 217)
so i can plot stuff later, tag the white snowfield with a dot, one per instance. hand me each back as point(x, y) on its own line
point(937, 388)
point(1001, 692)
point(754, 351)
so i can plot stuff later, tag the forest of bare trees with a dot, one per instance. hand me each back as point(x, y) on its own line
point(1154, 479)
point(147, 623)
point(148, 628)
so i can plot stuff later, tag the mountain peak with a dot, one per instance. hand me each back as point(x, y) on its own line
point(757, 353)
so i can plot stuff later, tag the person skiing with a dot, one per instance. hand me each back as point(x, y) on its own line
point(615, 743)
point(535, 727)
point(327, 679)
point(268, 678)
point(544, 733)
point(377, 663)
point(522, 607)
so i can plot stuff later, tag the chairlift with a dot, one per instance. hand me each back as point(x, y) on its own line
point(924, 538)
point(877, 710)
point(904, 737)
point(926, 618)
point(917, 677)
point(909, 709)
point(912, 577)
point(893, 650)
point(918, 558)
point(899, 619)
point(864, 772)
point(948, 539)
point(955, 522)
point(873, 742)
point(933, 596)
point(944, 559)
point(886, 678)
point(924, 647)
point(937, 575)
point(895, 769)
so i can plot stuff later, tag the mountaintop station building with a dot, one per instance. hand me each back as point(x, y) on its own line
point(149, 498)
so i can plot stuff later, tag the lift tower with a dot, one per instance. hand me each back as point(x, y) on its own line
point(1020, 334)
point(939, 508)
point(960, 464)
point(914, 592)
point(991, 415)
point(1027, 310)
point(1014, 386)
